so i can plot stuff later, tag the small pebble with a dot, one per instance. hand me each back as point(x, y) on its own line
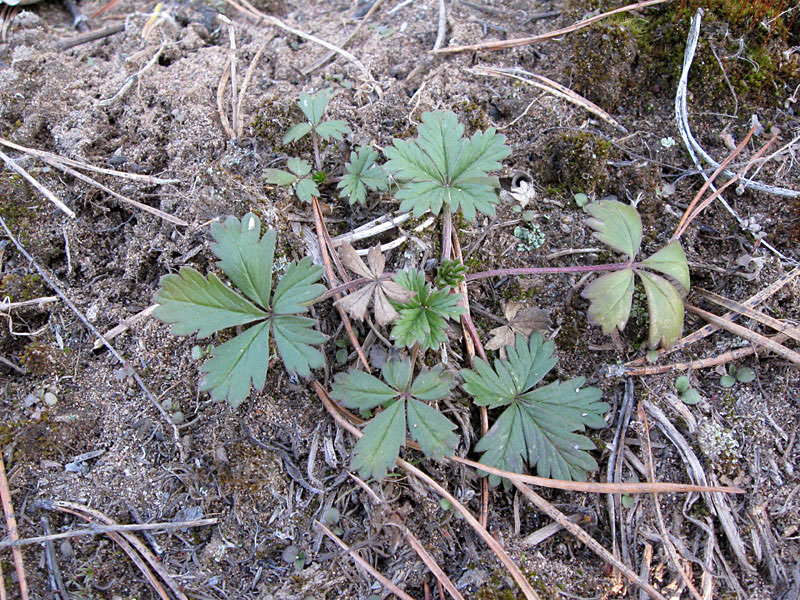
point(50, 399)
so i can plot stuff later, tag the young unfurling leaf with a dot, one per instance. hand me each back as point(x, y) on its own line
point(204, 304)
point(539, 425)
point(423, 319)
point(403, 400)
point(619, 226)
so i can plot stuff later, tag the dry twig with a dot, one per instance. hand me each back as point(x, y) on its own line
point(501, 45)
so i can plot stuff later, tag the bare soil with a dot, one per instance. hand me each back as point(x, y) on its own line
point(271, 468)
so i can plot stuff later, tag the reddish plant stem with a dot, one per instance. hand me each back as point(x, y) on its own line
point(551, 270)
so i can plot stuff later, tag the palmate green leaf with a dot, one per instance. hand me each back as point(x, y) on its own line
point(237, 364)
point(539, 425)
point(443, 167)
point(432, 431)
point(329, 130)
point(296, 339)
point(611, 296)
point(243, 257)
point(376, 452)
point(362, 175)
point(665, 306)
point(617, 225)
point(528, 362)
point(423, 319)
point(205, 305)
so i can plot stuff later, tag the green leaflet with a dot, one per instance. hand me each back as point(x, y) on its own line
point(241, 256)
point(237, 364)
point(442, 167)
point(296, 132)
point(376, 452)
point(204, 304)
point(538, 425)
point(362, 174)
point(329, 130)
point(617, 225)
point(666, 310)
point(402, 397)
point(423, 319)
point(611, 295)
point(313, 107)
point(620, 227)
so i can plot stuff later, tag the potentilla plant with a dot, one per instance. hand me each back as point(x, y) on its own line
point(537, 423)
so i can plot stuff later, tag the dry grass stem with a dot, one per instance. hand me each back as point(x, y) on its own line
point(741, 309)
point(501, 45)
point(747, 334)
point(11, 527)
point(41, 154)
point(97, 530)
point(672, 553)
point(387, 583)
point(86, 179)
point(551, 87)
point(131, 79)
point(6, 304)
point(11, 164)
point(595, 546)
point(239, 122)
point(716, 502)
point(223, 81)
point(247, 8)
point(93, 515)
point(364, 20)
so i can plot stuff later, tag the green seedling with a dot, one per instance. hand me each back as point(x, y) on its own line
point(403, 399)
point(441, 167)
point(740, 375)
point(450, 274)
point(362, 174)
point(297, 177)
point(688, 394)
point(204, 304)
point(539, 424)
point(313, 108)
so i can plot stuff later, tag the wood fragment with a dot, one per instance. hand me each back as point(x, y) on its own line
point(91, 36)
point(124, 326)
point(551, 87)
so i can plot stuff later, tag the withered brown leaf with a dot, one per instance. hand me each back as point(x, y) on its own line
point(378, 290)
point(523, 321)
